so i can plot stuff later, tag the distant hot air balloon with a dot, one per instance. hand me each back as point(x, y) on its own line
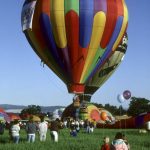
point(75, 38)
point(120, 98)
point(127, 94)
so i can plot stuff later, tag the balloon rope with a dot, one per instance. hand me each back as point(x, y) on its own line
point(120, 116)
point(52, 82)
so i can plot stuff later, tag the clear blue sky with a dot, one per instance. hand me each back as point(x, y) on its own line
point(24, 81)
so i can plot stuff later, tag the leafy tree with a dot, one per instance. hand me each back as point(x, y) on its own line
point(115, 110)
point(98, 105)
point(31, 110)
point(138, 106)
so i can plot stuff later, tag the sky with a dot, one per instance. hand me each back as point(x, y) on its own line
point(24, 81)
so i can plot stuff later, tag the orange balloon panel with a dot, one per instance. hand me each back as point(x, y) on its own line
point(103, 116)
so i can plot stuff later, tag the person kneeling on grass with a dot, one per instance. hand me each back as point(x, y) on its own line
point(15, 128)
point(118, 143)
point(73, 131)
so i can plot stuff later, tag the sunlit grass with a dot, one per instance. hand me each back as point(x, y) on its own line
point(83, 141)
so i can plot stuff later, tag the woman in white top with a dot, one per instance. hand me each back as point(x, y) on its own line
point(43, 126)
point(15, 131)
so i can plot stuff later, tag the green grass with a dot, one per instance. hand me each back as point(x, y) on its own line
point(83, 141)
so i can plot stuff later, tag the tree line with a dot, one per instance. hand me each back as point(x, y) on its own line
point(136, 107)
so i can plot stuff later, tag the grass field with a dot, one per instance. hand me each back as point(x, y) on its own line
point(83, 141)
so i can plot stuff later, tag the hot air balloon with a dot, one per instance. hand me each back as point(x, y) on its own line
point(87, 112)
point(127, 94)
point(120, 98)
point(76, 38)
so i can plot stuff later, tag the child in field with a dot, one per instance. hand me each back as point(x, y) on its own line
point(106, 145)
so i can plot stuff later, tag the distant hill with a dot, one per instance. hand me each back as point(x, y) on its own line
point(43, 108)
point(9, 106)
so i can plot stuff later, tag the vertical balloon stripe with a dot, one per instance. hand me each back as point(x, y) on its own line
point(111, 18)
point(123, 28)
point(58, 22)
point(97, 32)
point(72, 19)
point(72, 5)
point(100, 5)
point(50, 41)
point(110, 45)
point(119, 7)
point(86, 12)
point(72, 28)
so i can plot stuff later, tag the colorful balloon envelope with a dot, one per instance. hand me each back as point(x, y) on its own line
point(74, 38)
point(104, 72)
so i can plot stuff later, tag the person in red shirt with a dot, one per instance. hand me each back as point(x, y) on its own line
point(106, 145)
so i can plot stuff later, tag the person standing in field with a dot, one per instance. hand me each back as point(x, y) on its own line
point(54, 128)
point(43, 126)
point(31, 128)
point(15, 128)
point(2, 127)
point(106, 145)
